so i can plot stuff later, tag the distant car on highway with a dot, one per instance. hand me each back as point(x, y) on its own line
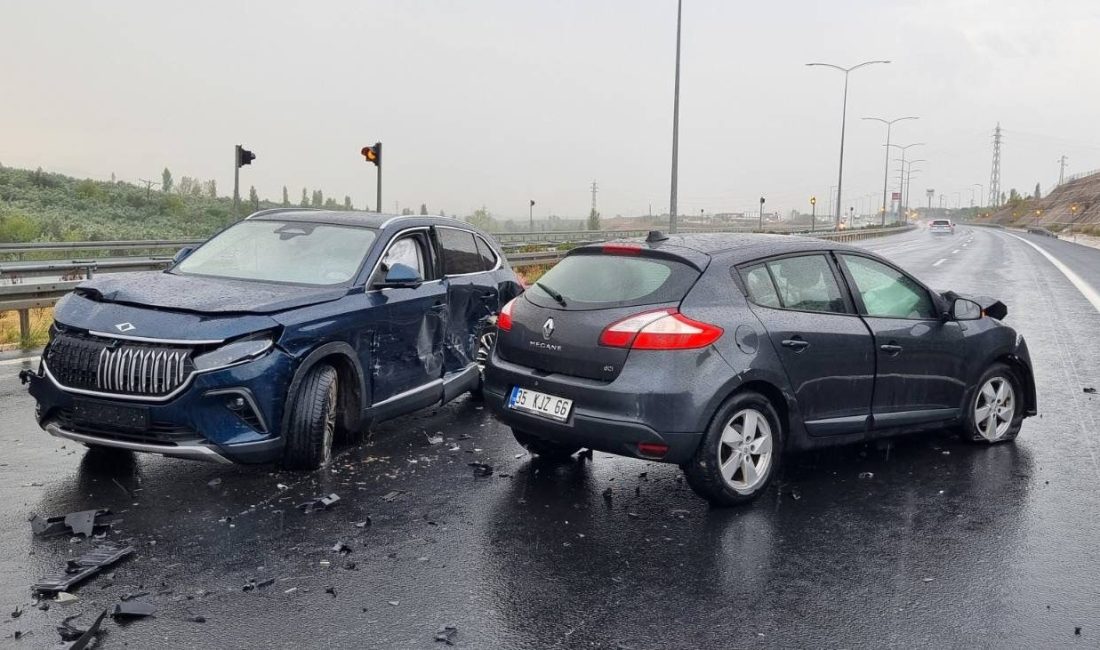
point(941, 227)
point(275, 336)
point(721, 352)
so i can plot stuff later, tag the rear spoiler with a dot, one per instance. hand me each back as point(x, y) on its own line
point(652, 248)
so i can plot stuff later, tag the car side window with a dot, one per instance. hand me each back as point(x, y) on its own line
point(887, 292)
point(460, 255)
point(760, 287)
point(407, 251)
point(488, 256)
point(807, 283)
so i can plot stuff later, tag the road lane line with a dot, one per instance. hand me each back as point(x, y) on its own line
point(12, 362)
point(1084, 287)
point(940, 262)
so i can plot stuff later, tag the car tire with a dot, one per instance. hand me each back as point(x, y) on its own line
point(312, 426)
point(545, 449)
point(486, 337)
point(996, 410)
point(727, 468)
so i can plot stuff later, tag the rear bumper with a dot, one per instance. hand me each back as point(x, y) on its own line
point(651, 401)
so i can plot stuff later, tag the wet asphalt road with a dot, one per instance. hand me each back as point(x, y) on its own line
point(947, 545)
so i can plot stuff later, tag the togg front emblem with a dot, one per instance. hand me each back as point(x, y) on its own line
point(125, 327)
point(548, 328)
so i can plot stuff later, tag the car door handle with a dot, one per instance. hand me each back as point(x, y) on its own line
point(797, 345)
point(439, 306)
point(892, 349)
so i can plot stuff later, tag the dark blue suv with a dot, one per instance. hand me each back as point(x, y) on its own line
point(276, 335)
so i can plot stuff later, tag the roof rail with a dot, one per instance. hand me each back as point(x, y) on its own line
point(278, 210)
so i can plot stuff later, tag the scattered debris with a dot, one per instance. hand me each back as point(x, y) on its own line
point(679, 513)
point(391, 496)
point(133, 609)
point(927, 579)
point(85, 523)
point(585, 454)
point(319, 504)
point(68, 631)
point(435, 440)
point(350, 566)
point(633, 515)
point(82, 568)
point(482, 469)
point(446, 634)
point(1091, 391)
point(607, 495)
point(282, 486)
point(89, 636)
point(465, 436)
point(17, 613)
point(196, 618)
point(1077, 631)
point(331, 590)
point(125, 597)
point(395, 603)
point(64, 598)
point(252, 585)
point(644, 476)
point(342, 548)
point(866, 475)
point(214, 483)
point(363, 524)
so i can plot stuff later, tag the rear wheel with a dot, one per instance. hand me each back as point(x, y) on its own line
point(740, 453)
point(995, 413)
point(485, 340)
point(313, 421)
point(543, 448)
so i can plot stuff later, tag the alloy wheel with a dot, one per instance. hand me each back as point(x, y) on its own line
point(484, 346)
point(330, 425)
point(745, 450)
point(994, 408)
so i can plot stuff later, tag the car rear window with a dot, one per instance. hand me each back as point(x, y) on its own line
point(941, 222)
point(608, 281)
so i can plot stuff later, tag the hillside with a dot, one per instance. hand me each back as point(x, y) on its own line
point(1074, 204)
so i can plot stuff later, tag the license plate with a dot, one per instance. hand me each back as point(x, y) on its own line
point(547, 406)
point(135, 418)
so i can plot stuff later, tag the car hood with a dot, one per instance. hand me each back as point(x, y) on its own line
point(202, 295)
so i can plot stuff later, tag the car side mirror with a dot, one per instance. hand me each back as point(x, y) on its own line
point(963, 309)
point(182, 254)
point(401, 276)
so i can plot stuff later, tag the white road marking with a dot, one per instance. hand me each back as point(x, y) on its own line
point(13, 362)
point(1084, 287)
point(940, 262)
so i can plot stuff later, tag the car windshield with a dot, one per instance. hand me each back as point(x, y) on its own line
point(277, 251)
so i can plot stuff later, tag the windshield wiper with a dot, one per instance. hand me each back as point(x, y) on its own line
point(558, 298)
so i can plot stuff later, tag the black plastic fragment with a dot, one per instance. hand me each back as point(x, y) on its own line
point(252, 585)
point(133, 609)
point(1090, 390)
point(68, 631)
point(85, 523)
point(318, 504)
point(89, 635)
point(196, 618)
point(342, 548)
point(447, 635)
point(82, 568)
point(482, 469)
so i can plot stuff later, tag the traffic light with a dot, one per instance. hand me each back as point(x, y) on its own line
point(813, 200)
point(373, 154)
point(244, 157)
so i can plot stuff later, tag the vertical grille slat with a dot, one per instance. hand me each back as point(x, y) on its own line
point(105, 365)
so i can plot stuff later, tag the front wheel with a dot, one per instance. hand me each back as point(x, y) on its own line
point(313, 421)
point(740, 453)
point(995, 413)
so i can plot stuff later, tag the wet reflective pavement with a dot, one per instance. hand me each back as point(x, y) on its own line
point(940, 543)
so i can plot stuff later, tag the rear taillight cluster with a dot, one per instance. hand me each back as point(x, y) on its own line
point(663, 329)
point(504, 319)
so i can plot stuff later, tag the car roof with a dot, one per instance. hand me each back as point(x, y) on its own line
point(740, 247)
point(376, 220)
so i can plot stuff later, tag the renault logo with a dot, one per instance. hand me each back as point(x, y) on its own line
point(548, 328)
point(125, 327)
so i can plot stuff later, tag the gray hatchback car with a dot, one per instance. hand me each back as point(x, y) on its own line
point(719, 352)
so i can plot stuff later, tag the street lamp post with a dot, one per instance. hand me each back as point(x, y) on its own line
point(901, 179)
point(905, 189)
point(843, 123)
point(981, 190)
point(886, 171)
point(675, 124)
point(813, 213)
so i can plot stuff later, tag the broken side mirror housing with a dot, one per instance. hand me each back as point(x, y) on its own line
point(963, 309)
point(401, 276)
point(182, 254)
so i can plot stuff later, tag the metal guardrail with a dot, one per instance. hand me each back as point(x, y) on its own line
point(22, 296)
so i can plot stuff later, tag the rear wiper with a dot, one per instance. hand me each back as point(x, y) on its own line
point(552, 293)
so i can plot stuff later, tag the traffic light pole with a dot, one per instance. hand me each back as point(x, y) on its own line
point(378, 152)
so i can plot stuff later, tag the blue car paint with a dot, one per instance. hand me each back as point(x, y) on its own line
point(385, 341)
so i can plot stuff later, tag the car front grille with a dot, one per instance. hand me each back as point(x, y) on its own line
point(160, 433)
point(87, 362)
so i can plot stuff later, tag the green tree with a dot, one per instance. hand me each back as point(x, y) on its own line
point(423, 208)
point(286, 198)
point(318, 199)
point(1038, 194)
point(254, 198)
point(17, 227)
point(305, 199)
point(593, 220)
point(481, 218)
point(166, 181)
point(331, 204)
point(212, 188)
point(347, 203)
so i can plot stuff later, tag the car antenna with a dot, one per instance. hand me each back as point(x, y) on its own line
point(655, 236)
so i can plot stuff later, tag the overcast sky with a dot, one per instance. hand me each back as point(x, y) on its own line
point(496, 102)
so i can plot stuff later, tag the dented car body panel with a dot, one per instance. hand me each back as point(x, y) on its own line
point(872, 360)
point(135, 376)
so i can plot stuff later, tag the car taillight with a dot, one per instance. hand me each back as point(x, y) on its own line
point(504, 319)
point(664, 329)
point(621, 249)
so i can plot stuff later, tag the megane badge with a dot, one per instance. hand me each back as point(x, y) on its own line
point(548, 328)
point(125, 327)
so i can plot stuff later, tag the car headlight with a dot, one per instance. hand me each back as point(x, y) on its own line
point(233, 353)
